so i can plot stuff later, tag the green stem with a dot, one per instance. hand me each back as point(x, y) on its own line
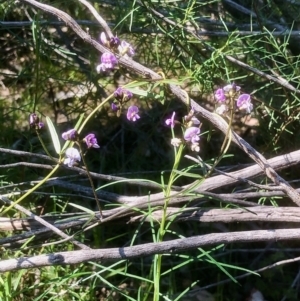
point(94, 111)
point(162, 230)
point(31, 190)
point(43, 145)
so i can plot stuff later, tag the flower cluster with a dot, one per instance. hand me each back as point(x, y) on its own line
point(72, 154)
point(225, 95)
point(72, 135)
point(191, 130)
point(108, 60)
point(122, 96)
point(34, 122)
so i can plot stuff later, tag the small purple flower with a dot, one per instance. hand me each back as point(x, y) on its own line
point(72, 156)
point(114, 107)
point(220, 95)
point(108, 62)
point(70, 135)
point(132, 113)
point(195, 121)
point(244, 103)
point(114, 42)
point(40, 125)
point(33, 119)
point(170, 121)
point(91, 141)
point(233, 87)
point(191, 135)
point(34, 122)
point(231, 90)
point(123, 94)
point(126, 49)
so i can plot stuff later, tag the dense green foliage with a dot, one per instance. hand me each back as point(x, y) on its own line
point(199, 45)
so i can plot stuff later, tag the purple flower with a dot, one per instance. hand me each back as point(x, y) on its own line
point(108, 62)
point(171, 122)
point(233, 87)
point(114, 42)
point(123, 94)
point(132, 113)
point(114, 107)
point(91, 141)
point(40, 125)
point(70, 135)
point(34, 122)
point(33, 119)
point(244, 103)
point(72, 156)
point(126, 49)
point(195, 120)
point(231, 90)
point(191, 135)
point(220, 95)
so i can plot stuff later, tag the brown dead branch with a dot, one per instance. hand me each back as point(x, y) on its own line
point(148, 249)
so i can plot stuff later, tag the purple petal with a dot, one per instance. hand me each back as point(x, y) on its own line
point(170, 121)
point(220, 96)
point(123, 94)
point(114, 107)
point(91, 141)
point(191, 134)
point(244, 103)
point(70, 135)
point(132, 113)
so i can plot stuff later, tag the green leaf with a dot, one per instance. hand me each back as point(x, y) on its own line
point(188, 174)
point(137, 91)
point(54, 136)
point(89, 211)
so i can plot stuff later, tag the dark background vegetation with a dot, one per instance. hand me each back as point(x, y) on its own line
point(45, 67)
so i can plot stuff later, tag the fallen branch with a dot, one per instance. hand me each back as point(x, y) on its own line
point(168, 247)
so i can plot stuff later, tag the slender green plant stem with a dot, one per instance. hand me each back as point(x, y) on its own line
point(94, 111)
point(161, 233)
point(43, 144)
point(31, 190)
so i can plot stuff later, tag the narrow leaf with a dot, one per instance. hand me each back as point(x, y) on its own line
point(188, 174)
point(54, 137)
point(89, 211)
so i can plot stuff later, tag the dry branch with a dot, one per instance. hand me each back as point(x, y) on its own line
point(203, 215)
point(168, 247)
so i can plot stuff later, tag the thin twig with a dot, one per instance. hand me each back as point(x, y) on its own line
point(100, 20)
point(43, 222)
